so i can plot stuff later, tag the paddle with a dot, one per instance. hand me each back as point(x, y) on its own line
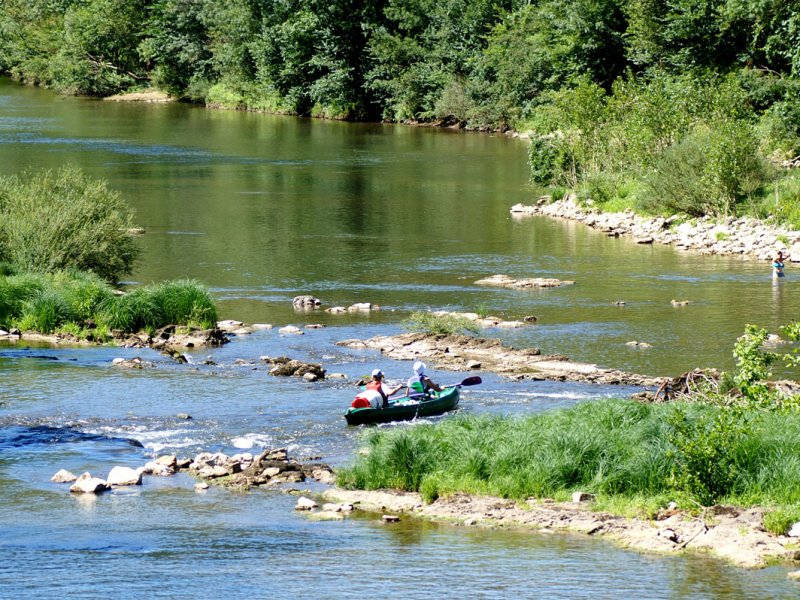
point(475, 380)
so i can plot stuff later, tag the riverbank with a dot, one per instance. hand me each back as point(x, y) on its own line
point(733, 534)
point(745, 236)
point(460, 353)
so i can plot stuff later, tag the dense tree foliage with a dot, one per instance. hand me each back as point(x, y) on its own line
point(641, 100)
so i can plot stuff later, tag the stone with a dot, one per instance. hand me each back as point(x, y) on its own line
point(167, 460)
point(679, 302)
point(63, 476)
point(3, 332)
point(325, 476)
point(304, 503)
point(154, 468)
point(336, 376)
point(133, 363)
point(306, 302)
point(209, 472)
point(121, 476)
point(315, 326)
point(582, 497)
point(261, 326)
point(473, 364)
point(201, 485)
point(271, 472)
point(336, 310)
point(229, 325)
point(290, 330)
point(242, 331)
point(184, 416)
point(794, 530)
point(635, 344)
point(360, 306)
point(86, 484)
point(310, 377)
point(391, 519)
point(326, 515)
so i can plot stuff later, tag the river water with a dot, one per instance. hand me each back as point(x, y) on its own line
point(261, 209)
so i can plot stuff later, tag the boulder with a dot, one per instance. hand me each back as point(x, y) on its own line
point(325, 476)
point(214, 472)
point(154, 468)
point(229, 325)
point(201, 485)
point(336, 310)
point(290, 330)
point(361, 306)
point(86, 484)
point(168, 460)
point(473, 364)
point(63, 476)
point(295, 368)
point(304, 503)
point(260, 326)
point(794, 530)
point(124, 476)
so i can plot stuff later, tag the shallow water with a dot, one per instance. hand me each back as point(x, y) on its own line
point(264, 208)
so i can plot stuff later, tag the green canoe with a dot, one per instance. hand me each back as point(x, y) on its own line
point(404, 409)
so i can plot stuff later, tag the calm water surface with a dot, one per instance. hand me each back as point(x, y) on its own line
point(261, 209)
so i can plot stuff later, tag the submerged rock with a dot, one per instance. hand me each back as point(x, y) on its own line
point(306, 302)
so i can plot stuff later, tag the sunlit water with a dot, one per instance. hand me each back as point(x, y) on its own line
point(261, 209)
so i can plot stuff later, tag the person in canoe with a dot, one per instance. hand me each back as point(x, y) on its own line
point(420, 382)
point(376, 392)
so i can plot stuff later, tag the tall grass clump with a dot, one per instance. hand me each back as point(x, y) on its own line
point(185, 302)
point(698, 453)
point(426, 322)
point(182, 302)
point(56, 220)
point(45, 312)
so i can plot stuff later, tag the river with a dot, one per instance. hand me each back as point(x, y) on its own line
point(263, 208)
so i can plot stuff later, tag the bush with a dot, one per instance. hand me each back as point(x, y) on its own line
point(426, 322)
point(45, 312)
point(50, 221)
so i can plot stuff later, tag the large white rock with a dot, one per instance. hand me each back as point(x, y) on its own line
point(794, 530)
point(63, 476)
point(124, 476)
point(86, 484)
point(304, 503)
point(290, 330)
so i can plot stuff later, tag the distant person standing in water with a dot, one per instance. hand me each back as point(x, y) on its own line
point(777, 265)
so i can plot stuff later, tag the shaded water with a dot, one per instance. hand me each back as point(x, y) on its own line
point(261, 209)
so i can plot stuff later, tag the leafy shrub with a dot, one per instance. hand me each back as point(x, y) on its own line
point(426, 322)
point(704, 465)
point(50, 221)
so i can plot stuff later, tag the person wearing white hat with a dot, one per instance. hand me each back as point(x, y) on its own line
point(377, 392)
point(420, 382)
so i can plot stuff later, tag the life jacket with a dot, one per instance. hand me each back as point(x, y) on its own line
point(376, 386)
point(417, 384)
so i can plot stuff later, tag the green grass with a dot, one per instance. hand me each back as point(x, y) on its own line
point(633, 456)
point(67, 300)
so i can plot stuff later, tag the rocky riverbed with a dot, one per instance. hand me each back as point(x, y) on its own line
point(733, 534)
point(744, 236)
point(460, 353)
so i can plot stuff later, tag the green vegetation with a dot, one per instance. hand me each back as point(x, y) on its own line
point(661, 106)
point(734, 447)
point(51, 221)
point(82, 304)
point(426, 322)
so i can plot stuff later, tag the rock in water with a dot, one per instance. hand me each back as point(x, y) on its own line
point(63, 476)
point(86, 484)
point(124, 476)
